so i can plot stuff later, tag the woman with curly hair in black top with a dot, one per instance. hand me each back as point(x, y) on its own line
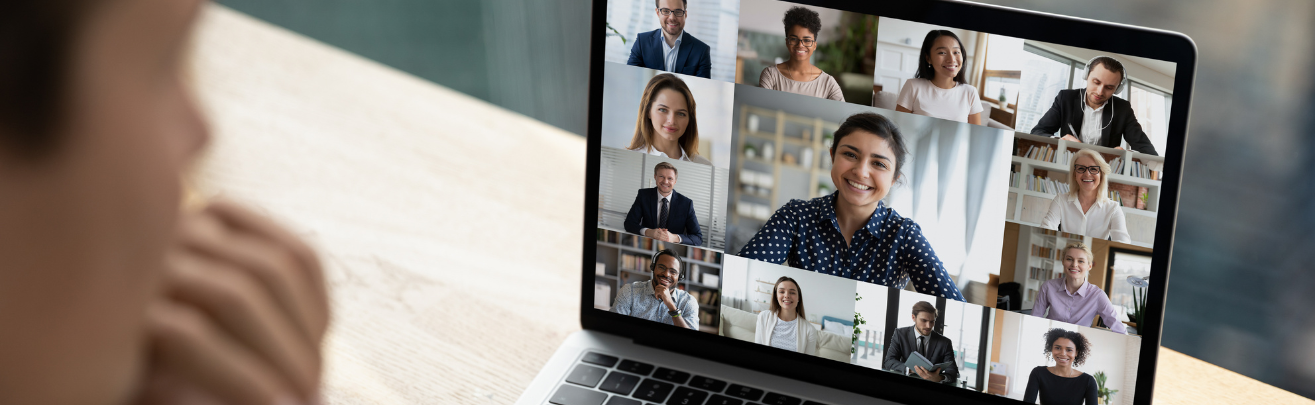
point(1062, 384)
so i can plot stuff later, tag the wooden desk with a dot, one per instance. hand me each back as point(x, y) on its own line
point(449, 227)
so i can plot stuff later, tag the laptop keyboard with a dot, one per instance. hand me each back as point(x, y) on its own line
point(599, 379)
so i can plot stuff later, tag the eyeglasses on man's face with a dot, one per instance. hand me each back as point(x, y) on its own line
point(669, 271)
point(666, 12)
point(794, 41)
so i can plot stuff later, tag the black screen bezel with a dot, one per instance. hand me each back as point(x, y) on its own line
point(1082, 33)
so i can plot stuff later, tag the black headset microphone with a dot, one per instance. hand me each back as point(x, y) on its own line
point(680, 263)
point(1123, 80)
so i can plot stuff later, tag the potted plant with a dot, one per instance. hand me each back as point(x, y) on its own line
point(1103, 393)
point(858, 321)
point(614, 33)
point(1138, 299)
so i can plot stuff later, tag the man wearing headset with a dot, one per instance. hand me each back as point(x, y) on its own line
point(658, 299)
point(1094, 115)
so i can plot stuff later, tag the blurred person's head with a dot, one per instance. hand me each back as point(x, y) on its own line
point(868, 152)
point(941, 57)
point(1086, 174)
point(96, 125)
point(1077, 261)
point(1067, 348)
point(924, 317)
point(666, 114)
point(672, 13)
point(664, 176)
point(801, 28)
point(1103, 78)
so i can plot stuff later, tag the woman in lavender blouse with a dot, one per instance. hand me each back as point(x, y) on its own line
point(1071, 298)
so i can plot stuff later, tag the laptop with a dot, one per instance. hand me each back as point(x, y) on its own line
point(830, 202)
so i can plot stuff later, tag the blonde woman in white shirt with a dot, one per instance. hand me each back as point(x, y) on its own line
point(784, 325)
point(939, 89)
point(1086, 209)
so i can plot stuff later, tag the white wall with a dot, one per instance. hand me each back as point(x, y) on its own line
point(823, 295)
point(1153, 72)
point(765, 16)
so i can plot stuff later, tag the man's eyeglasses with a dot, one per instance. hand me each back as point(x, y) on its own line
point(666, 12)
point(794, 41)
point(670, 271)
point(1085, 169)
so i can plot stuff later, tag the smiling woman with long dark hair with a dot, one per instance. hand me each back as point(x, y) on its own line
point(939, 89)
point(784, 324)
point(851, 233)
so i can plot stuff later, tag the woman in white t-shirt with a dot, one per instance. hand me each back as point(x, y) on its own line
point(938, 89)
point(784, 325)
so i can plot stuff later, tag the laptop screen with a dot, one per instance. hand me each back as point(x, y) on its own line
point(957, 206)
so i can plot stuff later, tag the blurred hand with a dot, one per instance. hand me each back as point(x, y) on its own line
point(1071, 138)
point(241, 317)
point(927, 375)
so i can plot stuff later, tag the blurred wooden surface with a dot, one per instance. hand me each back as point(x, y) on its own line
point(449, 227)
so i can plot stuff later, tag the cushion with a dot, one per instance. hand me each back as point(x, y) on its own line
point(737, 323)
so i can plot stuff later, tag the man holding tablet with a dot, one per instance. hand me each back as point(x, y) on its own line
point(920, 338)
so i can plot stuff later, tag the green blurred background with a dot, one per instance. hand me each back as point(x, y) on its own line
point(1241, 292)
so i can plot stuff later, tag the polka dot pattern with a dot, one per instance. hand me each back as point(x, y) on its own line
point(890, 250)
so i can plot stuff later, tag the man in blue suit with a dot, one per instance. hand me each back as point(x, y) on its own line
point(663, 214)
point(669, 48)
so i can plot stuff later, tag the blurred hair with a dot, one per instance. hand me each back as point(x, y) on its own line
point(683, 3)
point(776, 304)
point(643, 138)
point(924, 306)
point(36, 51)
point(666, 166)
point(1102, 191)
point(925, 71)
point(804, 18)
point(1080, 344)
point(1083, 247)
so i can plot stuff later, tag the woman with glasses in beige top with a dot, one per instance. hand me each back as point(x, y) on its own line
point(797, 74)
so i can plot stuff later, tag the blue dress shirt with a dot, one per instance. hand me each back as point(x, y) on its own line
point(890, 250)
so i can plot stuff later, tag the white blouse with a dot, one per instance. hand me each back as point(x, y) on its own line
point(1105, 220)
point(684, 156)
point(805, 334)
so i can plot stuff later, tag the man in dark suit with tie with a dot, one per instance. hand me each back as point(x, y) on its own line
point(670, 48)
point(922, 338)
point(1095, 115)
point(663, 214)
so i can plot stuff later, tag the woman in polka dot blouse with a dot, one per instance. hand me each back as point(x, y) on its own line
point(851, 233)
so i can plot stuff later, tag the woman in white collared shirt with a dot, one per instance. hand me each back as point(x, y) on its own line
point(784, 325)
point(1086, 209)
point(666, 124)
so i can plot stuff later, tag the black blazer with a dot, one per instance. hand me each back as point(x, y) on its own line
point(939, 350)
point(680, 216)
point(692, 58)
point(1065, 117)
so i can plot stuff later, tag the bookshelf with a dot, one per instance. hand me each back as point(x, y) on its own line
point(1042, 250)
point(1036, 177)
point(778, 157)
point(623, 258)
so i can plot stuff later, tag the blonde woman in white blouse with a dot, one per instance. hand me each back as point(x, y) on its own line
point(1086, 209)
point(784, 325)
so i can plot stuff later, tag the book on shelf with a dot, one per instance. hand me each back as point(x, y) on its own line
point(1053, 232)
point(1043, 252)
point(602, 296)
point(710, 279)
point(1042, 274)
point(600, 268)
point(1046, 185)
point(1031, 295)
point(707, 318)
point(634, 262)
point(708, 297)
